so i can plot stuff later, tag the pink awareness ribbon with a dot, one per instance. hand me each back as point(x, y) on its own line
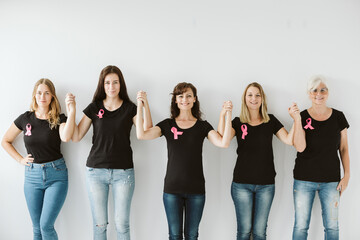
point(308, 125)
point(176, 132)
point(101, 113)
point(28, 130)
point(244, 131)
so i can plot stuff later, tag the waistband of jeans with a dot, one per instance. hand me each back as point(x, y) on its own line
point(54, 163)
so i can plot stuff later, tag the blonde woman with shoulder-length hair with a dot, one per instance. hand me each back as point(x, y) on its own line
point(46, 178)
point(245, 113)
point(253, 186)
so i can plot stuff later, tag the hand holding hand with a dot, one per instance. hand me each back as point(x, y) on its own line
point(227, 107)
point(70, 102)
point(294, 112)
point(141, 97)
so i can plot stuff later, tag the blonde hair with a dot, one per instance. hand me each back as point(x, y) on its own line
point(245, 114)
point(54, 107)
point(315, 81)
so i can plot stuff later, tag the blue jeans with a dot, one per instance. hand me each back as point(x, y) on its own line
point(45, 189)
point(304, 193)
point(175, 205)
point(123, 185)
point(252, 206)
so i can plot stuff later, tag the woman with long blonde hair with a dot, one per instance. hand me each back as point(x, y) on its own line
point(253, 186)
point(46, 178)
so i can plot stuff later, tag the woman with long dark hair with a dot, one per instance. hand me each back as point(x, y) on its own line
point(110, 162)
point(46, 176)
point(185, 131)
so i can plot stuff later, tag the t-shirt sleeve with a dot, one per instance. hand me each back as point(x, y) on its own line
point(89, 110)
point(133, 110)
point(277, 125)
point(19, 122)
point(63, 118)
point(343, 123)
point(162, 125)
point(207, 128)
point(235, 124)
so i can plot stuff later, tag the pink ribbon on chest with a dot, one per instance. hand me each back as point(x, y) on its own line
point(244, 131)
point(176, 132)
point(28, 130)
point(101, 113)
point(308, 125)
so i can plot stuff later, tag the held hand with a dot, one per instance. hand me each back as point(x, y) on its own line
point(227, 107)
point(343, 184)
point(294, 112)
point(26, 160)
point(70, 102)
point(141, 97)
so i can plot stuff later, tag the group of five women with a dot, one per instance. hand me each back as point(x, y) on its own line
point(318, 134)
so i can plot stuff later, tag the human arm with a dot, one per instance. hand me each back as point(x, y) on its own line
point(282, 134)
point(299, 133)
point(223, 137)
point(7, 141)
point(285, 136)
point(345, 160)
point(221, 125)
point(82, 128)
point(147, 121)
point(141, 133)
point(66, 129)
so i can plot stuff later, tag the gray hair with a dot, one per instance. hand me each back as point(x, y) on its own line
point(315, 81)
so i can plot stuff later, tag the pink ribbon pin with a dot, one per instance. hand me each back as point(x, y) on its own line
point(176, 132)
point(101, 113)
point(28, 130)
point(308, 125)
point(244, 131)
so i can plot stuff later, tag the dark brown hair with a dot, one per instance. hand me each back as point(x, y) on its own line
point(180, 89)
point(100, 91)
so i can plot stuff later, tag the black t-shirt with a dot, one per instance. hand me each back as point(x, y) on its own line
point(320, 162)
point(184, 169)
point(255, 161)
point(111, 136)
point(42, 142)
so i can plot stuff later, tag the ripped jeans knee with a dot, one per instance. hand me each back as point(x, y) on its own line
point(100, 228)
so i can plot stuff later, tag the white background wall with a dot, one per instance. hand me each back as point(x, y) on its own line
point(219, 46)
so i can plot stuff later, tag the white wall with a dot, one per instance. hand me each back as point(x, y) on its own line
point(219, 46)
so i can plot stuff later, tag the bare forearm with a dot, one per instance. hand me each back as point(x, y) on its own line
point(227, 131)
point(345, 160)
point(9, 148)
point(221, 125)
point(290, 136)
point(147, 118)
point(69, 127)
point(81, 129)
point(139, 122)
point(299, 136)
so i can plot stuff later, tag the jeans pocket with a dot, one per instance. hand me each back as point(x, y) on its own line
point(61, 167)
